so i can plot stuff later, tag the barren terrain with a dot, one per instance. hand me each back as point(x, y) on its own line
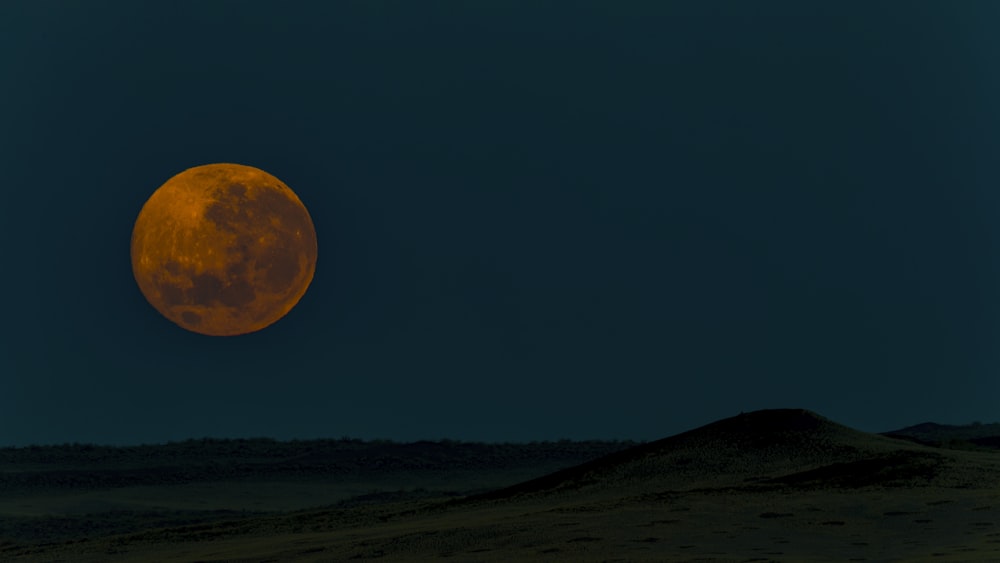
point(776, 485)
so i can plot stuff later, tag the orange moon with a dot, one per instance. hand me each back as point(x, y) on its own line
point(223, 249)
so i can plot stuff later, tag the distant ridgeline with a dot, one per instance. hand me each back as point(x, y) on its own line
point(269, 448)
point(209, 459)
point(975, 436)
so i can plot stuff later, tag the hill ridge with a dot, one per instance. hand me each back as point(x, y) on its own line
point(752, 447)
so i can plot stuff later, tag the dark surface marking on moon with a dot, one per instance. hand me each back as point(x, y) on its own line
point(172, 295)
point(237, 294)
point(206, 289)
point(172, 267)
point(191, 317)
point(238, 191)
point(230, 208)
point(277, 265)
point(244, 243)
point(291, 215)
point(281, 268)
point(209, 289)
point(237, 269)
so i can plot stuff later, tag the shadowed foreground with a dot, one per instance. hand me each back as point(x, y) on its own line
point(776, 485)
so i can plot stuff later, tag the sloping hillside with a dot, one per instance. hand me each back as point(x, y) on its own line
point(975, 436)
point(779, 446)
point(775, 485)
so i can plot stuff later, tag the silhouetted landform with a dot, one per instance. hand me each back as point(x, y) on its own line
point(773, 485)
point(797, 445)
point(207, 460)
point(975, 436)
point(47, 493)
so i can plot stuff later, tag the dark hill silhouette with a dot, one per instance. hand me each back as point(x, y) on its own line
point(922, 428)
point(975, 436)
point(75, 466)
point(777, 447)
point(786, 473)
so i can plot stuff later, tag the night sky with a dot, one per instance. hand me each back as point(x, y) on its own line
point(536, 220)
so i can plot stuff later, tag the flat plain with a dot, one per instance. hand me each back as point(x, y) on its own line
point(774, 485)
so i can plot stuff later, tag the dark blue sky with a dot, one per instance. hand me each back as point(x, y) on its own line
point(536, 220)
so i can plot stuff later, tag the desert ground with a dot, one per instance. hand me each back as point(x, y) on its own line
point(774, 485)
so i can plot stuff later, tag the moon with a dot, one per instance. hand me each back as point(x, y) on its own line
point(223, 249)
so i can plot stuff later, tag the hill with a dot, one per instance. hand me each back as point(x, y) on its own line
point(773, 485)
point(975, 436)
point(780, 446)
point(60, 492)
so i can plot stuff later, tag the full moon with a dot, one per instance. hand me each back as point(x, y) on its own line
point(223, 249)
